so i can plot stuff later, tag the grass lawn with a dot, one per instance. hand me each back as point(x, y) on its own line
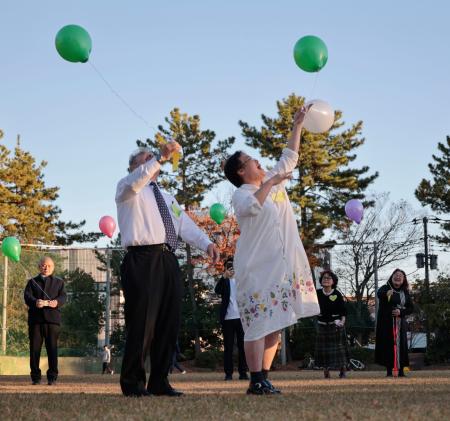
point(306, 396)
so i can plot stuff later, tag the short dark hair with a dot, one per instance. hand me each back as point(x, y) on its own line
point(232, 165)
point(405, 285)
point(333, 277)
point(228, 263)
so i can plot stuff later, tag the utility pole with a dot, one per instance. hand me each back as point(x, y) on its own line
point(375, 274)
point(427, 276)
point(108, 297)
point(4, 304)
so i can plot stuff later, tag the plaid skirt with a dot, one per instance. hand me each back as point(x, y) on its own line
point(331, 347)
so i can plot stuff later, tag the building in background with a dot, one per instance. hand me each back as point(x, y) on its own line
point(86, 260)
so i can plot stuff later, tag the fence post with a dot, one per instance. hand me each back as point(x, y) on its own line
point(108, 297)
point(283, 347)
point(4, 304)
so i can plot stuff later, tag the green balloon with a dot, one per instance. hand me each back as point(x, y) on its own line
point(11, 248)
point(218, 213)
point(73, 43)
point(310, 53)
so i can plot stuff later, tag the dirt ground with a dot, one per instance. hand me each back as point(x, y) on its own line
point(306, 396)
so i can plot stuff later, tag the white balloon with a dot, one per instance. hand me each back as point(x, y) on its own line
point(320, 117)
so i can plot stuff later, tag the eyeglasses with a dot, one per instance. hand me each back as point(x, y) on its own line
point(243, 164)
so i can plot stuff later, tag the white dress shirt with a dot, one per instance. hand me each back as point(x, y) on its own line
point(106, 358)
point(140, 222)
point(232, 310)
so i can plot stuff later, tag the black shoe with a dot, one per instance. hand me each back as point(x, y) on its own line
point(35, 382)
point(259, 389)
point(51, 382)
point(271, 387)
point(228, 377)
point(342, 375)
point(170, 391)
point(244, 376)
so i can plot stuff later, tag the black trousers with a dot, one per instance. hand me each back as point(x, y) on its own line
point(151, 282)
point(38, 333)
point(233, 329)
point(106, 368)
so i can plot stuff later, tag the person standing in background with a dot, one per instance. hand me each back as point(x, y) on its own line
point(231, 323)
point(44, 295)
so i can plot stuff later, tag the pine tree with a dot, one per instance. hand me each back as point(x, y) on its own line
point(27, 209)
point(200, 164)
point(324, 181)
point(199, 171)
point(436, 193)
point(82, 315)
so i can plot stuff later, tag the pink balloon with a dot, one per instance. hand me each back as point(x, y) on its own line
point(107, 225)
point(354, 210)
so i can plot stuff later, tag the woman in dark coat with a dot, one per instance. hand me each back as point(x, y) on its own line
point(394, 305)
point(331, 341)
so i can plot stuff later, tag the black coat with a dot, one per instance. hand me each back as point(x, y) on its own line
point(223, 289)
point(384, 347)
point(54, 288)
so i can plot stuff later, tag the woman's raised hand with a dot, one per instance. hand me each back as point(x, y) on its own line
point(299, 116)
point(278, 178)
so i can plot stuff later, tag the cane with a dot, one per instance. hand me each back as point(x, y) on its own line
point(395, 332)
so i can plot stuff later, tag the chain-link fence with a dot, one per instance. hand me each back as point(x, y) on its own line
point(93, 314)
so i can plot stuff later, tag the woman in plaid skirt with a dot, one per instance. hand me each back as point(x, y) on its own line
point(331, 341)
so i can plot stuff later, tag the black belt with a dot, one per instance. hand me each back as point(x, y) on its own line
point(150, 247)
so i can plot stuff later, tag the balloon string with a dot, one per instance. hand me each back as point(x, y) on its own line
point(120, 98)
point(314, 86)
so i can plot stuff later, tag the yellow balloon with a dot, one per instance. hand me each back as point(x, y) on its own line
point(1, 134)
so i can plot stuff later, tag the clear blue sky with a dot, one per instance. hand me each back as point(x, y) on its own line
point(224, 60)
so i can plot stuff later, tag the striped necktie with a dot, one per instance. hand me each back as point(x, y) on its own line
point(171, 235)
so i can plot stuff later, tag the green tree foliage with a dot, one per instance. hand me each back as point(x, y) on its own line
point(436, 193)
point(325, 179)
point(199, 171)
point(359, 324)
point(27, 205)
point(200, 165)
point(437, 310)
point(82, 315)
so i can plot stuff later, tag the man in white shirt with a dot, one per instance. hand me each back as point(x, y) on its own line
point(106, 360)
point(150, 223)
point(231, 323)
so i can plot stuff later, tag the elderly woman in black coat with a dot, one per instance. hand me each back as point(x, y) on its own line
point(395, 304)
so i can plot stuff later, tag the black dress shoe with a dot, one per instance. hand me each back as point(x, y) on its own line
point(137, 394)
point(51, 382)
point(170, 391)
point(35, 382)
point(244, 376)
point(228, 377)
point(259, 389)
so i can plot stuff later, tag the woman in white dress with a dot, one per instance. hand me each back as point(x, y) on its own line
point(274, 283)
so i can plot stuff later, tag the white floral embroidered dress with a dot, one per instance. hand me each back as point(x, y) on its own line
point(273, 278)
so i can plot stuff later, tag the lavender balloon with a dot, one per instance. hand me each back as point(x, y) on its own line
point(354, 210)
